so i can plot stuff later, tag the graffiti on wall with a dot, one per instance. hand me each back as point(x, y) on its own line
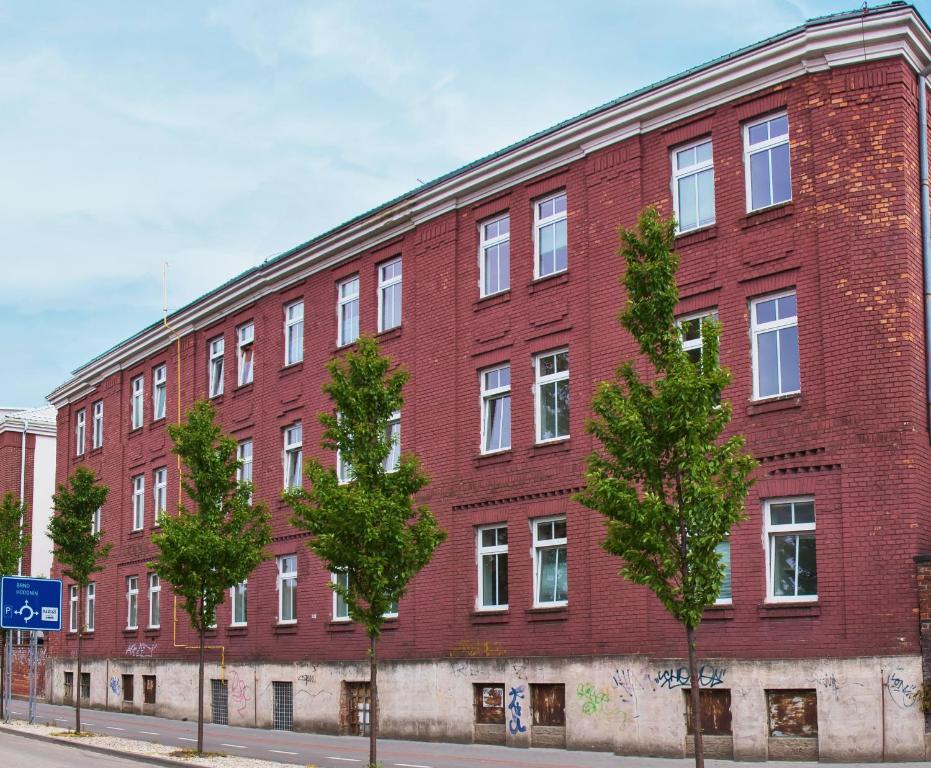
point(239, 693)
point(903, 694)
point(515, 725)
point(594, 701)
point(476, 648)
point(115, 685)
point(832, 684)
point(678, 677)
point(141, 650)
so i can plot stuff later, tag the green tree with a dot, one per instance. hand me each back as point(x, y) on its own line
point(13, 543)
point(670, 487)
point(78, 550)
point(216, 541)
point(369, 529)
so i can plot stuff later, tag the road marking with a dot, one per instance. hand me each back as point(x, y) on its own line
point(411, 765)
point(347, 759)
point(234, 746)
point(150, 733)
point(115, 728)
point(182, 738)
point(60, 720)
point(282, 752)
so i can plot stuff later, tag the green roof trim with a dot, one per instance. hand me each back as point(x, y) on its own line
point(896, 5)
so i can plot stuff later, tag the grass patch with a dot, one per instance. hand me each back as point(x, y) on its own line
point(72, 734)
point(187, 754)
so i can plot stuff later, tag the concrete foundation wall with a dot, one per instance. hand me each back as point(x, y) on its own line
point(867, 708)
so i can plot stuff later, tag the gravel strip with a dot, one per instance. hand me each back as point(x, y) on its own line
point(134, 746)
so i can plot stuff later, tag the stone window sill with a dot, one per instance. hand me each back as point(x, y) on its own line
point(789, 610)
point(556, 613)
point(782, 403)
point(152, 631)
point(491, 617)
point(341, 626)
point(285, 629)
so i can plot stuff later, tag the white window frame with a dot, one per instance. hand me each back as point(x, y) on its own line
point(294, 319)
point(293, 448)
point(73, 608)
point(159, 387)
point(486, 397)
point(384, 284)
point(395, 421)
point(80, 432)
point(539, 546)
point(770, 532)
point(766, 146)
point(334, 577)
point(692, 170)
point(690, 344)
point(343, 300)
point(155, 596)
point(245, 345)
point(95, 521)
point(244, 470)
point(97, 426)
point(215, 372)
point(137, 401)
point(132, 602)
point(776, 325)
point(483, 551)
point(539, 223)
point(487, 243)
point(138, 502)
point(90, 607)
point(284, 576)
point(160, 492)
point(539, 382)
point(242, 588)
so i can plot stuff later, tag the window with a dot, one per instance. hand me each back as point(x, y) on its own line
point(287, 589)
point(343, 468)
point(97, 426)
point(495, 255)
point(138, 387)
point(774, 325)
point(393, 433)
point(69, 688)
point(790, 552)
point(389, 295)
point(85, 692)
point(215, 366)
point(132, 602)
point(549, 562)
point(294, 333)
point(550, 235)
point(138, 502)
point(293, 455)
point(496, 409)
point(245, 336)
point(691, 334)
point(766, 162)
point(79, 430)
point(155, 592)
point(244, 472)
point(693, 186)
point(340, 608)
point(148, 689)
point(159, 394)
point(160, 492)
point(724, 552)
point(90, 606)
point(95, 521)
point(552, 395)
point(493, 567)
point(127, 688)
point(347, 311)
point(238, 601)
point(73, 608)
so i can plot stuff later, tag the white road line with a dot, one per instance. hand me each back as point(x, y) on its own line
point(234, 746)
point(115, 728)
point(150, 733)
point(182, 738)
point(282, 752)
point(411, 765)
point(60, 720)
point(347, 759)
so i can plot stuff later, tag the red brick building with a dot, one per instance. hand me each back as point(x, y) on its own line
point(793, 167)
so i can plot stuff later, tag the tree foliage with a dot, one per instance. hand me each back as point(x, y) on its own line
point(670, 487)
point(219, 537)
point(369, 528)
point(13, 538)
point(78, 551)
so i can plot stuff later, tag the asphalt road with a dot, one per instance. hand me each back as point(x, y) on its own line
point(320, 750)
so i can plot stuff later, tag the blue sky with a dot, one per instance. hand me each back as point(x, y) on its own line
point(212, 135)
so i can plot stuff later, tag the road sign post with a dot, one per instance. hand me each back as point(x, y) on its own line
point(33, 605)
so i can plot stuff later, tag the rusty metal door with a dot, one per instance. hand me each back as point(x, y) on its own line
point(793, 713)
point(489, 703)
point(548, 702)
point(715, 708)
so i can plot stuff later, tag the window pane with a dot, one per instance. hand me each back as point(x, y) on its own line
point(547, 249)
point(498, 428)
point(562, 362)
point(784, 566)
point(685, 158)
point(765, 311)
point(705, 197)
point(545, 531)
point(547, 365)
point(688, 212)
point(703, 152)
point(787, 306)
point(805, 512)
point(489, 578)
point(807, 569)
point(782, 184)
point(562, 405)
point(548, 576)
point(690, 329)
point(780, 514)
point(759, 133)
point(562, 592)
point(724, 552)
point(488, 537)
point(546, 209)
point(759, 180)
point(559, 204)
point(548, 411)
point(768, 364)
point(559, 529)
point(778, 126)
point(788, 359)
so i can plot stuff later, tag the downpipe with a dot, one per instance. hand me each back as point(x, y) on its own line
point(925, 228)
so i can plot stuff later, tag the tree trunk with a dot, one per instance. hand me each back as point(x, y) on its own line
point(696, 698)
point(200, 694)
point(77, 687)
point(373, 699)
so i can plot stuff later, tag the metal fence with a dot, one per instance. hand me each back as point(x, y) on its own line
point(284, 706)
point(219, 702)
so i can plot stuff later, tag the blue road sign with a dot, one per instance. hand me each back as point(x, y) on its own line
point(27, 603)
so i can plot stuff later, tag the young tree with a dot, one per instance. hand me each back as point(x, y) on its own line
point(13, 543)
point(78, 550)
point(368, 530)
point(669, 486)
point(216, 542)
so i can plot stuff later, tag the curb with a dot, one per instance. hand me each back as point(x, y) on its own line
point(75, 743)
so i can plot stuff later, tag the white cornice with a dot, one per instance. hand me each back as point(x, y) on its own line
point(892, 32)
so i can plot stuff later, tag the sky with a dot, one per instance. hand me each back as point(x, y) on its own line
point(211, 135)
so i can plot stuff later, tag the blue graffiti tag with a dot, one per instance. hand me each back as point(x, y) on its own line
point(514, 724)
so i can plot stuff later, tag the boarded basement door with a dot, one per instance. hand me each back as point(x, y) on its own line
point(793, 725)
point(488, 705)
point(355, 710)
point(548, 702)
point(715, 712)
